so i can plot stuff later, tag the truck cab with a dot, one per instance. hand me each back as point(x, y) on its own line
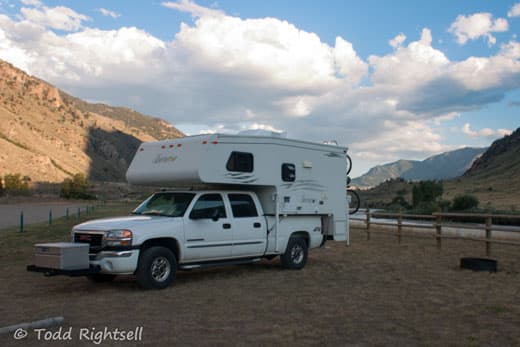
point(184, 230)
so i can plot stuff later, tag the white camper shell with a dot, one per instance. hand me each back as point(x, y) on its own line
point(290, 177)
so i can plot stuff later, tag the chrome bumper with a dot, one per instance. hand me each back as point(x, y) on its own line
point(116, 262)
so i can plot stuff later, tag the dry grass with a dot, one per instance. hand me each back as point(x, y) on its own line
point(372, 293)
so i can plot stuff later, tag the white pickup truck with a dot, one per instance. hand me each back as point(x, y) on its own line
point(192, 229)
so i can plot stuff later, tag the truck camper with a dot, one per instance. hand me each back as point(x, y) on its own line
point(224, 199)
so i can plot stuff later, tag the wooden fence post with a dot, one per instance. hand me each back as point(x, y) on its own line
point(489, 222)
point(438, 230)
point(368, 223)
point(399, 225)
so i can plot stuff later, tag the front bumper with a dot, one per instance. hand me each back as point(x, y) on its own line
point(116, 262)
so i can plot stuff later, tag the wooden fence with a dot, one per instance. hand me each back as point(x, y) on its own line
point(436, 222)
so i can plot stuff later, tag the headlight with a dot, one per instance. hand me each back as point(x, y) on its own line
point(118, 238)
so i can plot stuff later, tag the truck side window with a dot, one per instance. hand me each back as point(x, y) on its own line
point(240, 162)
point(242, 205)
point(288, 172)
point(206, 206)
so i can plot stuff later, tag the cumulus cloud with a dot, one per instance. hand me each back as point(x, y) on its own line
point(109, 13)
point(514, 11)
point(397, 41)
point(225, 73)
point(36, 3)
point(484, 132)
point(194, 9)
point(477, 25)
point(61, 18)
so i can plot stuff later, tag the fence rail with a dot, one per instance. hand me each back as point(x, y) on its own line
point(438, 223)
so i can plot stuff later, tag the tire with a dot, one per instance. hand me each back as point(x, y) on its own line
point(157, 268)
point(101, 278)
point(349, 163)
point(295, 256)
point(355, 201)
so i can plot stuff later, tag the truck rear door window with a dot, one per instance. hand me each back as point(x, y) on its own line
point(242, 205)
point(240, 162)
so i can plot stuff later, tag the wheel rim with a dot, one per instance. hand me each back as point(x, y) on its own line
point(160, 269)
point(297, 254)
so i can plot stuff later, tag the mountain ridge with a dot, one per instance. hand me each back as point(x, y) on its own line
point(437, 167)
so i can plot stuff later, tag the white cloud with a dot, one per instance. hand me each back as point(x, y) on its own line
point(445, 117)
point(224, 73)
point(485, 132)
point(36, 3)
point(191, 7)
point(61, 18)
point(109, 13)
point(397, 41)
point(514, 11)
point(477, 25)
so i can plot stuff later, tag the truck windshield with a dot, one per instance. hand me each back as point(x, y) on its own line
point(165, 204)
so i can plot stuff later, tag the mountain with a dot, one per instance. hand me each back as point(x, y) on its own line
point(381, 173)
point(438, 167)
point(501, 158)
point(49, 135)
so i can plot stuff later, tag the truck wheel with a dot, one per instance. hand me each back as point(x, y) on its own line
point(157, 268)
point(101, 278)
point(295, 256)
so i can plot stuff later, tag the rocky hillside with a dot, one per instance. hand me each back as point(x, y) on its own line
point(438, 167)
point(49, 135)
point(502, 157)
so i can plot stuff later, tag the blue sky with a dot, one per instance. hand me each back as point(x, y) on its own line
point(316, 70)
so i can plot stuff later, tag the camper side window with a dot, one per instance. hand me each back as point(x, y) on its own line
point(288, 172)
point(242, 205)
point(240, 162)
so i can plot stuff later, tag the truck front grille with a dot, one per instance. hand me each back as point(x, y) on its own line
point(94, 240)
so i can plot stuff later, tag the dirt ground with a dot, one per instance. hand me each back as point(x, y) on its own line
point(373, 293)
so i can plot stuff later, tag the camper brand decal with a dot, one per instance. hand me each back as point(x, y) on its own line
point(164, 159)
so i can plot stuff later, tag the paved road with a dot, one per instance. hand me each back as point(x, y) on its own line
point(35, 212)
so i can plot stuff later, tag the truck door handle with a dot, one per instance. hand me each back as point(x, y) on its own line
point(257, 225)
point(226, 226)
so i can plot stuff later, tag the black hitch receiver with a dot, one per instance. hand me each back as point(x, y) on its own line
point(92, 270)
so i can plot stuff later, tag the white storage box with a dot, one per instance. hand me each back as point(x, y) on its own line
point(62, 255)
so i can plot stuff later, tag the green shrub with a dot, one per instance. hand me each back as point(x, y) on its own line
point(426, 207)
point(75, 187)
point(400, 202)
point(15, 184)
point(464, 202)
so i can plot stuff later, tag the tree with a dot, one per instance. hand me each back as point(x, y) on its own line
point(426, 192)
point(15, 184)
point(75, 187)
